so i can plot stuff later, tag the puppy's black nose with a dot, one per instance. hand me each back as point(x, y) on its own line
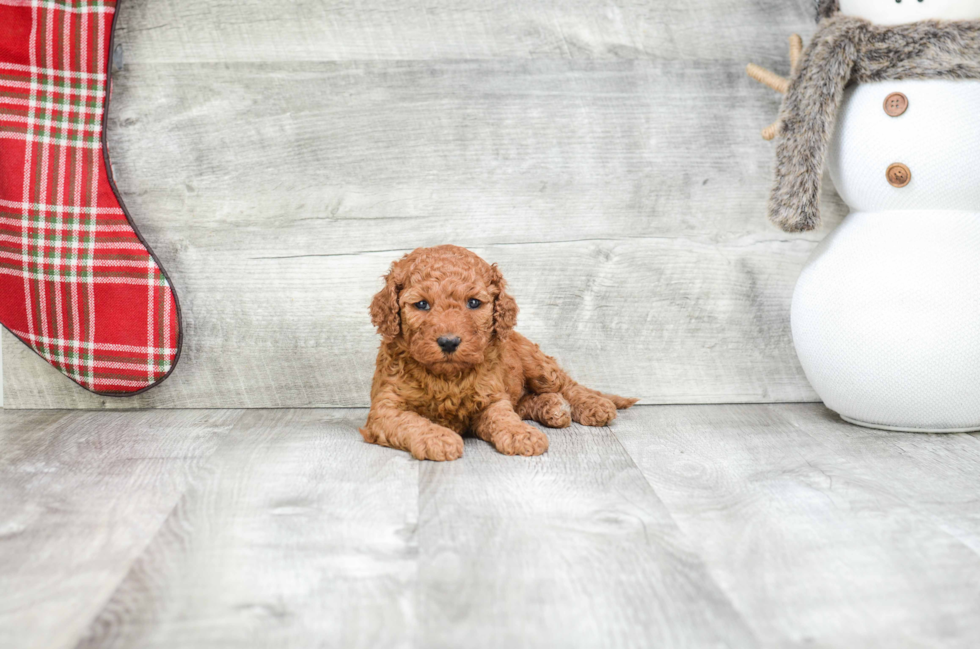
point(448, 344)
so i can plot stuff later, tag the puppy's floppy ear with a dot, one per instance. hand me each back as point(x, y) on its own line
point(504, 306)
point(385, 313)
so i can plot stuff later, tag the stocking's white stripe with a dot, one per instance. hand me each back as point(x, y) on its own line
point(61, 226)
point(63, 124)
point(44, 139)
point(27, 205)
point(51, 88)
point(40, 260)
point(103, 245)
point(70, 74)
point(73, 277)
point(51, 106)
point(47, 4)
point(134, 349)
point(28, 151)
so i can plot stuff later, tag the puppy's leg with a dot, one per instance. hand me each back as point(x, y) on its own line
point(543, 374)
point(549, 409)
point(503, 428)
point(621, 403)
point(408, 431)
point(589, 408)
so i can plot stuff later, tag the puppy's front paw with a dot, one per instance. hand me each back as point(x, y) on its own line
point(438, 444)
point(521, 440)
point(593, 410)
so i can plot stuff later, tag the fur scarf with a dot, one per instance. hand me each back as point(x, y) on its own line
point(852, 50)
point(827, 8)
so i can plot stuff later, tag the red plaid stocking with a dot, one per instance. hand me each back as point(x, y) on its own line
point(77, 283)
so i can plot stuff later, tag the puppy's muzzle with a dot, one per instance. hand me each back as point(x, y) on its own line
point(448, 344)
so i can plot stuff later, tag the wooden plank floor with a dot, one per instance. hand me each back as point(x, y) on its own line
point(678, 526)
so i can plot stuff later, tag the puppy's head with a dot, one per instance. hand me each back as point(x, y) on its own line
point(446, 306)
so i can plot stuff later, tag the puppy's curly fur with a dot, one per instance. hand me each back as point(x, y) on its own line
point(424, 398)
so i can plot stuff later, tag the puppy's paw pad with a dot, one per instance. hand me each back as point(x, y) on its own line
point(594, 411)
point(526, 440)
point(438, 447)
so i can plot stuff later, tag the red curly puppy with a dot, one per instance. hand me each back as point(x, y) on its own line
point(450, 363)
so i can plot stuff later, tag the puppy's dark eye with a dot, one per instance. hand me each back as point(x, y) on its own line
point(422, 305)
point(474, 303)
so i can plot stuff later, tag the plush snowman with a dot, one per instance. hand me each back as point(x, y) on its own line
point(886, 312)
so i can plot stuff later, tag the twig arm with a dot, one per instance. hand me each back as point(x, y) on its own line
point(795, 52)
point(767, 78)
point(776, 82)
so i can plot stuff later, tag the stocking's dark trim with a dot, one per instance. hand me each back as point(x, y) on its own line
point(851, 50)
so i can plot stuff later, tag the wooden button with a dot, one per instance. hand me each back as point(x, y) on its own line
point(896, 104)
point(898, 175)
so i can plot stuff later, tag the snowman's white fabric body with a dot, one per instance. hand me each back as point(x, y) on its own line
point(897, 12)
point(886, 313)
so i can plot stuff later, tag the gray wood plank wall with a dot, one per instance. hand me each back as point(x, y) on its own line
point(278, 156)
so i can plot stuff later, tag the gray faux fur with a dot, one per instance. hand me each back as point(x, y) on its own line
point(827, 8)
point(846, 50)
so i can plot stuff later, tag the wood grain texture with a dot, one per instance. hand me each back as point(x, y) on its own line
point(822, 533)
point(278, 169)
point(300, 535)
point(609, 311)
point(168, 31)
point(81, 495)
point(570, 549)
point(690, 526)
